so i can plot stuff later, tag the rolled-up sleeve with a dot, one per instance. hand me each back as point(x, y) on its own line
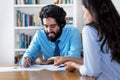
point(34, 49)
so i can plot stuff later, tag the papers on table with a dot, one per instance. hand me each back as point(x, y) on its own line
point(32, 68)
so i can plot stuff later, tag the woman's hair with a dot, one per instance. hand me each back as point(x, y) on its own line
point(55, 12)
point(106, 21)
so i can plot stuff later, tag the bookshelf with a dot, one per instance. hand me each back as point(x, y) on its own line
point(26, 21)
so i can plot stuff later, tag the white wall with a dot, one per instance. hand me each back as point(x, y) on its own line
point(6, 32)
point(117, 4)
point(78, 16)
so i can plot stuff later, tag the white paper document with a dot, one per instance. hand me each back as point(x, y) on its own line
point(32, 68)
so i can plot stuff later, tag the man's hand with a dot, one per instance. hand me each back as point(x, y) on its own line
point(57, 60)
point(26, 62)
point(43, 62)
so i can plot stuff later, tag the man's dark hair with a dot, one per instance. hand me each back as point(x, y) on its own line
point(55, 12)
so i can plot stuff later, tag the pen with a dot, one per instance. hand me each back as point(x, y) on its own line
point(61, 66)
point(28, 63)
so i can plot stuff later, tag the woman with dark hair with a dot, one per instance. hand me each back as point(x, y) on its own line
point(101, 41)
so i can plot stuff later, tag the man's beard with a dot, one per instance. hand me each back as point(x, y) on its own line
point(57, 35)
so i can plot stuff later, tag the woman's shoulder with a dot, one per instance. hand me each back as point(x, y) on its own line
point(90, 32)
point(89, 29)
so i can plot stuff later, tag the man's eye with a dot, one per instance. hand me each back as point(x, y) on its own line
point(53, 25)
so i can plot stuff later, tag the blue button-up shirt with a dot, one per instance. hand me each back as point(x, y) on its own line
point(97, 63)
point(70, 44)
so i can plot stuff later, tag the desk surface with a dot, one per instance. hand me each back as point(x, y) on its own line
point(40, 75)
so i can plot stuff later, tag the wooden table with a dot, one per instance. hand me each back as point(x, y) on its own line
point(41, 75)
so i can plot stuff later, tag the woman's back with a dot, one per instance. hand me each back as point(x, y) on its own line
point(97, 63)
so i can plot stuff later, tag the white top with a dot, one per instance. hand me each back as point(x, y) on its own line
point(97, 63)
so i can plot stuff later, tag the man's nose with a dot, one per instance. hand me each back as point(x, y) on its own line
point(49, 29)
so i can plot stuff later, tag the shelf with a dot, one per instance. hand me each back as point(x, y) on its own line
point(65, 5)
point(41, 5)
point(29, 6)
point(20, 49)
point(18, 28)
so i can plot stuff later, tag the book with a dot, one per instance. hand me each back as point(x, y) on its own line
point(18, 17)
point(69, 20)
point(22, 40)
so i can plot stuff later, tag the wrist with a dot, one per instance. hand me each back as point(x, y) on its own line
point(66, 59)
point(77, 66)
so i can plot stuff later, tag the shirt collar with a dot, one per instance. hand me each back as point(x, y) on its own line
point(62, 37)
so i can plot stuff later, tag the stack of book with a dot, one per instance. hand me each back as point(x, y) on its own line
point(63, 2)
point(23, 40)
point(69, 20)
point(27, 1)
point(25, 20)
